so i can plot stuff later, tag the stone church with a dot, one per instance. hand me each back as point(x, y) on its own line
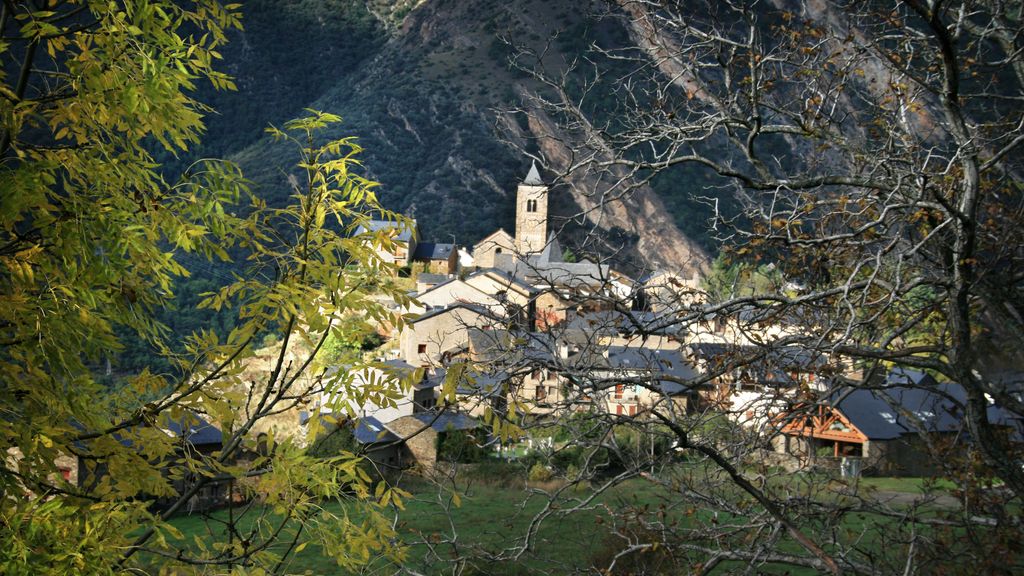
point(531, 224)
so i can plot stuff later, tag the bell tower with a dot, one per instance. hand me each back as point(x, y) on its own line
point(531, 213)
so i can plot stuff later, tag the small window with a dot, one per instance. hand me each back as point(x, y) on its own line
point(497, 250)
point(421, 349)
point(531, 205)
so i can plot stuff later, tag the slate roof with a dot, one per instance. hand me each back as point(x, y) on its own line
point(508, 278)
point(533, 176)
point(434, 279)
point(489, 344)
point(552, 251)
point(607, 321)
point(404, 235)
point(902, 407)
point(369, 430)
point(433, 251)
point(484, 384)
point(585, 273)
point(438, 311)
point(786, 357)
point(194, 430)
point(652, 362)
point(444, 420)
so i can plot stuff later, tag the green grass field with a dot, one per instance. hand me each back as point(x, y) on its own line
point(494, 517)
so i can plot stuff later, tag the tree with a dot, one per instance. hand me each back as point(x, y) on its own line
point(92, 235)
point(875, 148)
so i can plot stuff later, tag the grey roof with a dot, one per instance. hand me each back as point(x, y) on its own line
point(194, 430)
point(441, 421)
point(432, 378)
point(536, 270)
point(653, 363)
point(404, 234)
point(488, 343)
point(552, 251)
point(425, 278)
point(910, 401)
point(369, 430)
point(445, 282)
point(484, 384)
point(533, 176)
point(438, 311)
point(433, 251)
point(785, 357)
point(632, 322)
point(510, 279)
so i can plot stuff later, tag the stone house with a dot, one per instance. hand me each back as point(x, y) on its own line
point(439, 334)
point(486, 250)
point(420, 433)
point(192, 435)
point(751, 384)
point(404, 239)
point(455, 291)
point(437, 258)
point(902, 426)
point(418, 396)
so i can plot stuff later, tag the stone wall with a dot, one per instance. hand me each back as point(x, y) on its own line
point(420, 441)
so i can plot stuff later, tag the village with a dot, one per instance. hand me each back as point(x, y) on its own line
point(550, 337)
point(510, 329)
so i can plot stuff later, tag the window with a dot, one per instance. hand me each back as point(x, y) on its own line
point(497, 250)
point(531, 205)
point(421, 349)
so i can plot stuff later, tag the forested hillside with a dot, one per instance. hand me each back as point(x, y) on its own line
point(431, 95)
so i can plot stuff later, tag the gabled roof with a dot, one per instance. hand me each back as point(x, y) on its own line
point(571, 274)
point(908, 402)
point(433, 279)
point(615, 322)
point(438, 286)
point(637, 360)
point(404, 233)
point(369, 430)
point(433, 251)
point(191, 428)
point(465, 305)
point(442, 421)
point(194, 430)
point(785, 357)
point(492, 237)
point(552, 251)
point(507, 278)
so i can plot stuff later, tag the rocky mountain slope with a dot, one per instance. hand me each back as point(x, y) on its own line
point(445, 120)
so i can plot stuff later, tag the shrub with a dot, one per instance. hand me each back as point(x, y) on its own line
point(460, 446)
point(540, 473)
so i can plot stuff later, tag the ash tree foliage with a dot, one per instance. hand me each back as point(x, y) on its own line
point(92, 238)
point(876, 150)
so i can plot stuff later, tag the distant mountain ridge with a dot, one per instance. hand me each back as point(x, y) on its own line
point(427, 89)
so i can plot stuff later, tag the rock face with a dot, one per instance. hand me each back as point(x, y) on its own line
point(427, 88)
point(652, 239)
